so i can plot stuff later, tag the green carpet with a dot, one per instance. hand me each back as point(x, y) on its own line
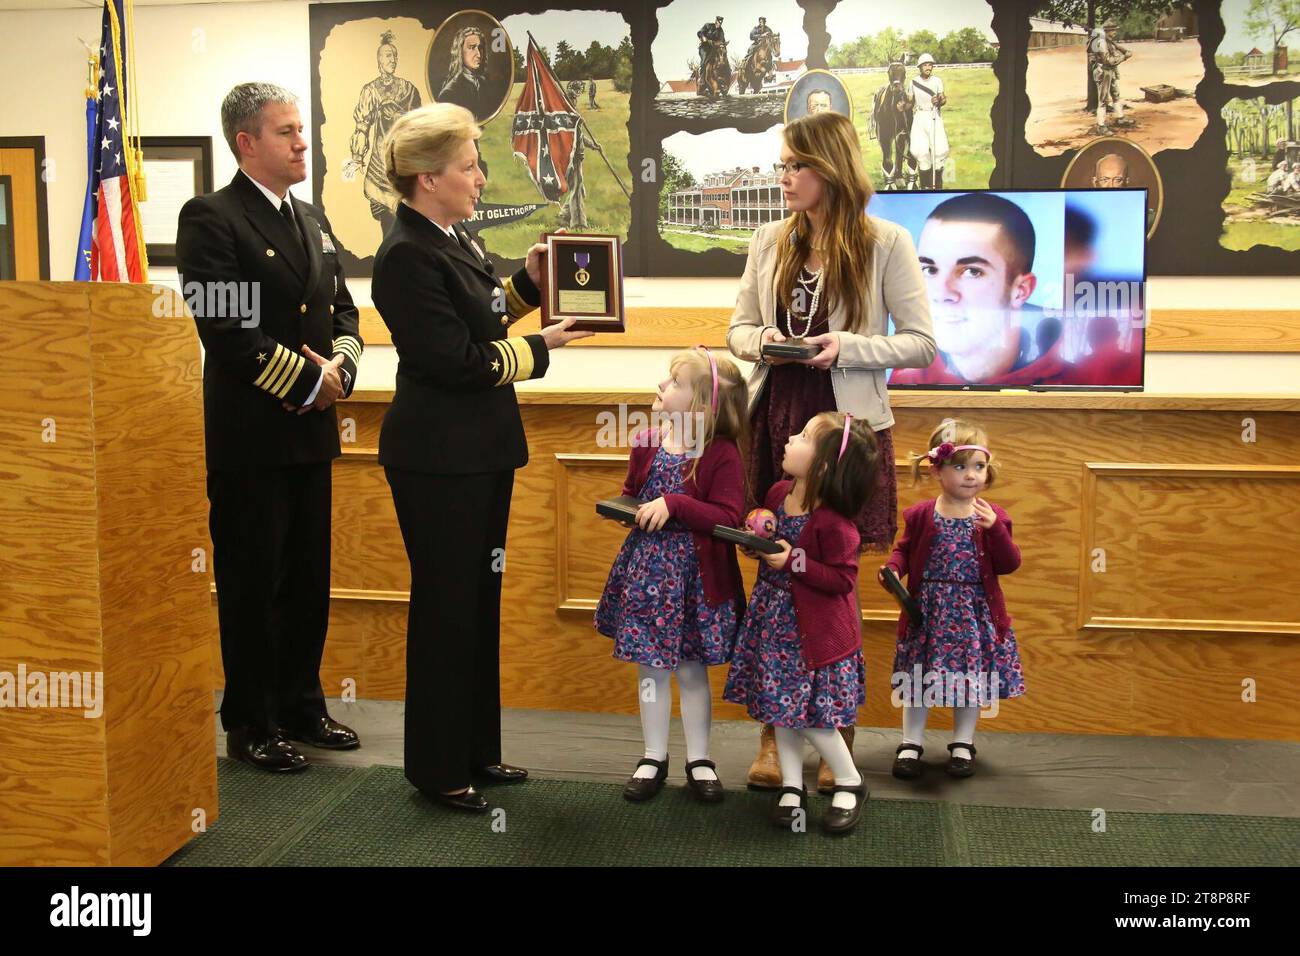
point(332, 816)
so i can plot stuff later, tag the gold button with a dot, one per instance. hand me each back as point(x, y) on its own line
point(303, 308)
point(505, 320)
point(331, 310)
point(270, 252)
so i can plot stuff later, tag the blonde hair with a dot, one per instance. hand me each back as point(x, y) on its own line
point(424, 141)
point(828, 143)
point(959, 432)
point(731, 420)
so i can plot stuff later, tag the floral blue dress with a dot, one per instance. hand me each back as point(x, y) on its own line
point(768, 674)
point(958, 643)
point(653, 605)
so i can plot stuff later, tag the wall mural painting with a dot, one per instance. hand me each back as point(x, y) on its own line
point(661, 121)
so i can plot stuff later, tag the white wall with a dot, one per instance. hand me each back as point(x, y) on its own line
point(190, 55)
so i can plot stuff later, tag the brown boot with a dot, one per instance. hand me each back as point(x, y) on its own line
point(765, 771)
point(825, 778)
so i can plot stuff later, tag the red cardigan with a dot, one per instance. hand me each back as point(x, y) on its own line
point(716, 495)
point(998, 554)
point(824, 583)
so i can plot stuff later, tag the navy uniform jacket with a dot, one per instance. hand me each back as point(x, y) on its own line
point(236, 236)
point(454, 410)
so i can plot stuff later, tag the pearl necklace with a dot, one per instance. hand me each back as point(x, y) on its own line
point(816, 291)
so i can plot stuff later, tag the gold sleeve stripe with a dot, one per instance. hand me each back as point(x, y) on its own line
point(523, 358)
point(350, 346)
point(507, 360)
point(514, 302)
point(288, 375)
point(274, 370)
point(280, 372)
point(516, 360)
point(300, 364)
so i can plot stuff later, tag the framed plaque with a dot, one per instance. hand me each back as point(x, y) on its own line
point(176, 169)
point(583, 281)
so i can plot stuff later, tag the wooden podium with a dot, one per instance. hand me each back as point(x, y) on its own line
point(104, 570)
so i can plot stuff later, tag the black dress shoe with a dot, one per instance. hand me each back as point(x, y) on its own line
point(638, 789)
point(326, 733)
point(706, 791)
point(502, 773)
point(961, 766)
point(908, 768)
point(784, 816)
point(837, 821)
point(471, 800)
point(264, 751)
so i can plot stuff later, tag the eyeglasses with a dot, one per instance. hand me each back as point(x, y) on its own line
point(783, 168)
point(1111, 180)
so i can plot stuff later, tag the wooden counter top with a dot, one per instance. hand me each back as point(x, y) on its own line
point(1119, 401)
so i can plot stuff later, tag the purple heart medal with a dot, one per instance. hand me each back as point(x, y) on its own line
point(583, 259)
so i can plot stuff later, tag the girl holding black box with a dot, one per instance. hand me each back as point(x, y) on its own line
point(832, 277)
point(674, 595)
point(798, 663)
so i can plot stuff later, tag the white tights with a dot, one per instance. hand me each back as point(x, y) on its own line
point(963, 729)
point(832, 748)
point(655, 692)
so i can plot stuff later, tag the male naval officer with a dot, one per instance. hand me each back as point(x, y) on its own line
point(270, 426)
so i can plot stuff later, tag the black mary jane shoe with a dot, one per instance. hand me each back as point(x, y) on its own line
point(837, 821)
point(638, 789)
point(908, 768)
point(706, 791)
point(961, 766)
point(501, 773)
point(469, 799)
point(785, 816)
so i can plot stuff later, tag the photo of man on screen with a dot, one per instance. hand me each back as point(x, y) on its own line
point(977, 256)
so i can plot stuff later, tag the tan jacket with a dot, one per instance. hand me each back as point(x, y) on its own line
point(894, 286)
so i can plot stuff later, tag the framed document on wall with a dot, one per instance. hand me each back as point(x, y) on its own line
point(176, 169)
point(583, 281)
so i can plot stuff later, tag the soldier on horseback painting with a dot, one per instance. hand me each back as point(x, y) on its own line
point(892, 111)
point(715, 71)
point(759, 64)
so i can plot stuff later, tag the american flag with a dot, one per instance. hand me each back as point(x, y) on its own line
point(111, 248)
point(545, 130)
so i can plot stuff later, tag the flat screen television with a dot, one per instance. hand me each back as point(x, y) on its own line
point(1028, 289)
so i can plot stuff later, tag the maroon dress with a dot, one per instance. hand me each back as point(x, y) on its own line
point(792, 394)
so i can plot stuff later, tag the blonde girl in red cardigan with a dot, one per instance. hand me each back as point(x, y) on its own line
point(798, 661)
point(674, 595)
point(953, 548)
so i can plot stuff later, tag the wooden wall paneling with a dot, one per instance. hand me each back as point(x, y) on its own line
point(584, 549)
point(1080, 679)
point(1184, 572)
point(1169, 330)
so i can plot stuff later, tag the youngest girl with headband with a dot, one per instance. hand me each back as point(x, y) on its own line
point(963, 655)
point(798, 662)
point(674, 594)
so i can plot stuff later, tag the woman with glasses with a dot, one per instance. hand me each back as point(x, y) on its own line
point(830, 276)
